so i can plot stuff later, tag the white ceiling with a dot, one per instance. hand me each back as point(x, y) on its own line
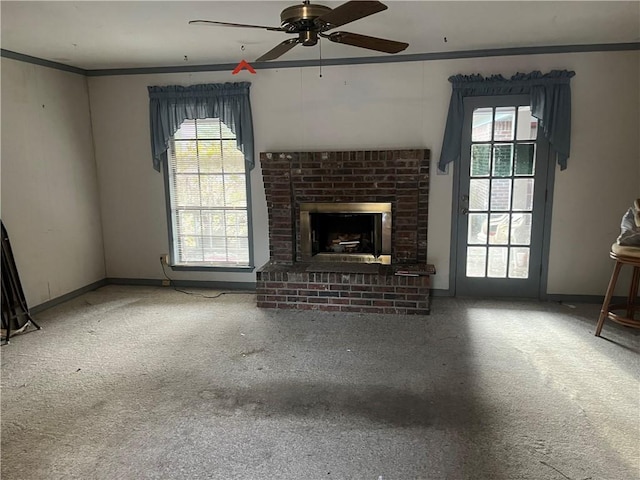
point(125, 34)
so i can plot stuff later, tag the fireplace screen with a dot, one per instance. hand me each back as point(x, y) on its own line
point(346, 232)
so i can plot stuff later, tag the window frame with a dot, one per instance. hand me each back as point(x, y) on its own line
point(205, 267)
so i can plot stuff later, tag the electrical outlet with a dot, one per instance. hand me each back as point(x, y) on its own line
point(164, 259)
point(166, 283)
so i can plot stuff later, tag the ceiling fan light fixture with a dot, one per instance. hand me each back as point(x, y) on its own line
point(309, 38)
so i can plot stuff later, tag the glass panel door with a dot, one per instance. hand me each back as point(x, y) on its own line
point(502, 182)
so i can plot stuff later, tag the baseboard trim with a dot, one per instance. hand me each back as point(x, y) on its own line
point(149, 282)
point(560, 298)
point(144, 282)
point(152, 282)
point(251, 286)
point(68, 296)
point(552, 297)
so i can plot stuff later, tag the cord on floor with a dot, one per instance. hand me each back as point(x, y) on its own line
point(171, 284)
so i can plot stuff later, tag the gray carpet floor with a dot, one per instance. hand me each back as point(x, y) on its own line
point(150, 383)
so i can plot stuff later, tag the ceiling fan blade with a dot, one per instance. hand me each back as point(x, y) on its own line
point(227, 24)
point(279, 50)
point(364, 41)
point(349, 12)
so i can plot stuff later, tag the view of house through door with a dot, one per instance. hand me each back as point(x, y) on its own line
point(501, 195)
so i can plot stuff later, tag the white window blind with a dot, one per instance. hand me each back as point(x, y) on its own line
point(208, 196)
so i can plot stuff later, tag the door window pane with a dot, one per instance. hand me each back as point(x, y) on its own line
point(482, 125)
point(521, 229)
point(519, 262)
point(523, 194)
point(478, 195)
point(476, 261)
point(480, 160)
point(499, 229)
point(502, 160)
point(500, 194)
point(504, 123)
point(525, 158)
point(477, 229)
point(497, 267)
point(527, 124)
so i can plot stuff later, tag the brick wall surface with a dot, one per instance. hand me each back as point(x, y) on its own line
point(385, 292)
point(400, 177)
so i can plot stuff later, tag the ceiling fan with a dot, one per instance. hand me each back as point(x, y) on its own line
point(310, 22)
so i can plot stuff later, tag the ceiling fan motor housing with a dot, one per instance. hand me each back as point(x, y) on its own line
point(301, 19)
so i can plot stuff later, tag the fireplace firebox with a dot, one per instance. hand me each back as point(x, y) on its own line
point(346, 232)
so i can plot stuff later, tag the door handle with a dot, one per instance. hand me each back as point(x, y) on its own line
point(464, 211)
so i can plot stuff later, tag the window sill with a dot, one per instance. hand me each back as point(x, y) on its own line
point(212, 267)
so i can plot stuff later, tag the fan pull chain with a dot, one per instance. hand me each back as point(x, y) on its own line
point(320, 47)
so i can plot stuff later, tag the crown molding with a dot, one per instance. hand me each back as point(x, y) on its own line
point(417, 57)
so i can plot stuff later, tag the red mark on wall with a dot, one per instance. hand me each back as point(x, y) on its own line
point(243, 65)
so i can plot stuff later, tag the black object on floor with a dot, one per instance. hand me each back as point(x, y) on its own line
point(15, 312)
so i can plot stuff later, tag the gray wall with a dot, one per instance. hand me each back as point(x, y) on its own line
point(50, 201)
point(64, 222)
point(398, 105)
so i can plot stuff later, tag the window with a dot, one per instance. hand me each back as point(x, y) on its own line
point(208, 190)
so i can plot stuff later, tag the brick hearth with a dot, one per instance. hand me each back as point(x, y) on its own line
point(379, 291)
point(400, 177)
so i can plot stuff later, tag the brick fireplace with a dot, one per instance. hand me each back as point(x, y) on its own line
point(347, 231)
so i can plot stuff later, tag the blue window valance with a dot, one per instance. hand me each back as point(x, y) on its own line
point(170, 106)
point(550, 96)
